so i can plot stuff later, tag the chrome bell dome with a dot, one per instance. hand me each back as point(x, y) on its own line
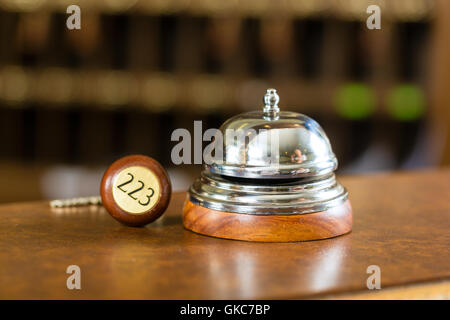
point(273, 162)
point(273, 144)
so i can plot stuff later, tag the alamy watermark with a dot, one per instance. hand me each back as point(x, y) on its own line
point(74, 280)
point(232, 144)
point(374, 20)
point(73, 22)
point(374, 280)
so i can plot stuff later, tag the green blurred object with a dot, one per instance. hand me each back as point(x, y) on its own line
point(406, 102)
point(355, 101)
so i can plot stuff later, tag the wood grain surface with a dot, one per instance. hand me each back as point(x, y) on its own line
point(268, 228)
point(401, 223)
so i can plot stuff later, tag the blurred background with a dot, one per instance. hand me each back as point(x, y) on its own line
point(73, 101)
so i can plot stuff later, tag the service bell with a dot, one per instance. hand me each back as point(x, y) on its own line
point(275, 181)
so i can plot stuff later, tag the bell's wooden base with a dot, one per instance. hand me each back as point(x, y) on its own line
point(268, 228)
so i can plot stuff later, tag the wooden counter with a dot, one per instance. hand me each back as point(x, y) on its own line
point(401, 224)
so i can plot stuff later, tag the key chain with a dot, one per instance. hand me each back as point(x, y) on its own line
point(135, 190)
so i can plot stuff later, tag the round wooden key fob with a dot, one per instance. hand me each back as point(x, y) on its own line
point(135, 190)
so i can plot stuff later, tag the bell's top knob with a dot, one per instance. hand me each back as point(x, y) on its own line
point(271, 100)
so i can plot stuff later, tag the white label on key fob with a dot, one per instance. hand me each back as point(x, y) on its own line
point(136, 189)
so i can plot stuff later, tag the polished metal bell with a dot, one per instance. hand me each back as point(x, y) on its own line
point(274, 163)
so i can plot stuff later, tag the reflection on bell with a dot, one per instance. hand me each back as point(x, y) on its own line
point(274, 182)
